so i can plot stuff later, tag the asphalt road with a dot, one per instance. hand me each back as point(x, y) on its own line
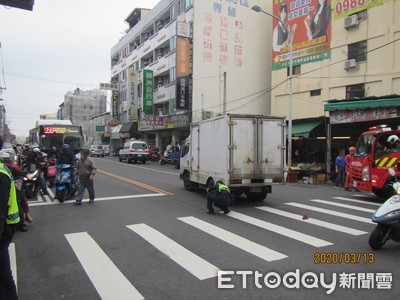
point(145, 237)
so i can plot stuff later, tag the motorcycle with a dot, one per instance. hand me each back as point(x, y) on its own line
point(171, 156)
point(66, 185)
point(155, 155)
point(388, 218)
point(50, 171)
point(31, 184)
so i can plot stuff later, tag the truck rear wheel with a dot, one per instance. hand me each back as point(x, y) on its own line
point(257, 196)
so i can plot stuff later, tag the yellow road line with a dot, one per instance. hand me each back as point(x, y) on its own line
point(143, 185)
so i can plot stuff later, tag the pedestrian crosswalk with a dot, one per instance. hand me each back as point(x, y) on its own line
point(110, 282)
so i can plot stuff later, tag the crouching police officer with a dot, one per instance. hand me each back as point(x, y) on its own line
point(219, 195)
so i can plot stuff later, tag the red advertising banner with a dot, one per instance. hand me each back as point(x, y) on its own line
point(308, 24)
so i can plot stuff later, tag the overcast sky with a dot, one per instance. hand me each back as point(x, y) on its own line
point(57, 47)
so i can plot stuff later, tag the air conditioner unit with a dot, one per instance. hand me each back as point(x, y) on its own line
point(207, 114)
point(350, 21)
point(350, 64)
point(146, 63)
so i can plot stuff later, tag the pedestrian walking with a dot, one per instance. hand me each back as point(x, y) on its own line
point(86, 172)
point(340, 165)
point(9, 218)
point(219, 195)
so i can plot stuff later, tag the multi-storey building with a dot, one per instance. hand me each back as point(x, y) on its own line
point(186, 60)
point(346, 70)
point(80, 106)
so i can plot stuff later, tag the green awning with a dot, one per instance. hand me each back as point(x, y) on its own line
point(362, 104)
point(303, 129)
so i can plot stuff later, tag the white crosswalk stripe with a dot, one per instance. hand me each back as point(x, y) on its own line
point(108, 280)
point(185, 258)
point(235, 240)
point(344, 205)
point(110, 283)
point(332, 212)
point(13, 261)
point(313, 221)
point(358, 201)
point(304, 238)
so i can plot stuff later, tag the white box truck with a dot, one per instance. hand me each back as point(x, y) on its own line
point(246, 152)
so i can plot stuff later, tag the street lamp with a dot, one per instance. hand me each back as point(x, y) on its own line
point(257, 8)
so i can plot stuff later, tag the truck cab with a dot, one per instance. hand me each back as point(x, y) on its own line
point(373, 157)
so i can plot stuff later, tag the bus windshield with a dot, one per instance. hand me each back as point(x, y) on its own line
point(58, 135)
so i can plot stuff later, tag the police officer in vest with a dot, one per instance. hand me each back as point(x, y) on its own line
point(219, 195)
point(9, 219)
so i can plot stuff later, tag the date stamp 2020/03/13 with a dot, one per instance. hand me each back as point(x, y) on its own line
point(343, 258)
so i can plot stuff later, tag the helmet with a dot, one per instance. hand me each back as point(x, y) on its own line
point(36, 150)
point(352, 148)
point(393, 139)
point(54, 149)
point(65, 146)
point(4, 156)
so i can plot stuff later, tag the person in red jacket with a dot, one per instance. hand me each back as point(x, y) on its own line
point(348, 159)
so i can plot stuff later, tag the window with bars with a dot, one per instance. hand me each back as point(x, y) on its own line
point(357, 51)
point(355, 91)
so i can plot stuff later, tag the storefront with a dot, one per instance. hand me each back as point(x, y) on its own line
point(115, 139)
point(350, 117)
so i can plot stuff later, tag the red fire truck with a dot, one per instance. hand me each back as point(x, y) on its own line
point(373, 157)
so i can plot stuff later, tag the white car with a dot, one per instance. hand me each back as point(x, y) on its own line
point(133, 151)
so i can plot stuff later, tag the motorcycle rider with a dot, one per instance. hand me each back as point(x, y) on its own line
point(37, 159)
point(220, 195)
point(67, 156)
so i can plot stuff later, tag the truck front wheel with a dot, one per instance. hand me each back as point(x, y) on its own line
point(187, 183)
point(386, 191)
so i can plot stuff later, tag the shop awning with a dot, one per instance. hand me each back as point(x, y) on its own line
point(126, 127)
point(303, 129)
point(115, 132)
point(363, 104)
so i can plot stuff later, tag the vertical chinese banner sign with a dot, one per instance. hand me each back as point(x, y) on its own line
point(182, 72)
point(148, 90)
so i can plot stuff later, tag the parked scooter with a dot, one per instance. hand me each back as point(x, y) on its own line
point(66, 186)
point(388, 218)
point(31, 184)
point(155, 155)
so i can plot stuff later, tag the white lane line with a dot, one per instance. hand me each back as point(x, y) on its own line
point(331, 212)
point(358, 201)
point(98, 199)
point(305, 238)
point(235, 240)
point(345, 205)
point(185, 258)
point(13, 261)
point(108, 280)
point(312, 221)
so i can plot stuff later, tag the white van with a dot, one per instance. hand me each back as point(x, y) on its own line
point(133, 151)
